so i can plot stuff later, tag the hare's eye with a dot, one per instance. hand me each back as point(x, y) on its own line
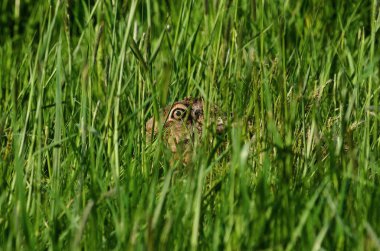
point(178, 113)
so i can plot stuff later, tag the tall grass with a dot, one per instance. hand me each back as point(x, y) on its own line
point(298, 167)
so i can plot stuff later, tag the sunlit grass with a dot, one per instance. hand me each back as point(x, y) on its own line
point(297, 167)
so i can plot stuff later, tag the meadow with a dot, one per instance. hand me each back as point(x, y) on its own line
point(297, 168)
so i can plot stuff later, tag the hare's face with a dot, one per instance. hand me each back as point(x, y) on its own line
point(181, 122)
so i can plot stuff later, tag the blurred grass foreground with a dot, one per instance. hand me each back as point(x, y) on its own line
point(298, 170)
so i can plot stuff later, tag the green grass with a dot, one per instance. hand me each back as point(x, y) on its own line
point(298, 169)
